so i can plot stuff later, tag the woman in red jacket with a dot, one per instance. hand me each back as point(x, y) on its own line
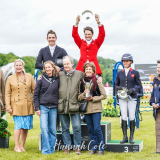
point(88, 47)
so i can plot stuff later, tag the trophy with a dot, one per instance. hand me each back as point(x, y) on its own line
point(122, 94)
point(87, 16)
point(87, 84)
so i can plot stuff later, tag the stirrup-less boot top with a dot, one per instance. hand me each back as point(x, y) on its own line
point(124, 129)
point(132, 127)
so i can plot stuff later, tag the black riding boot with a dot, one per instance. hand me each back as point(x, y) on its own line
point(132, 127)
point(124, 129)
point(83, 118)
point(58, 124)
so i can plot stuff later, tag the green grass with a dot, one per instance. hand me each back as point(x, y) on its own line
point(146, 133)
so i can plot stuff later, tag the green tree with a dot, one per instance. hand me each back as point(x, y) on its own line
point(106, 66)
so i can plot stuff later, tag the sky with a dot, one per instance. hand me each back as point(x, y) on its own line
point(131, 27)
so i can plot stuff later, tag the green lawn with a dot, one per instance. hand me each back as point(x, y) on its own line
point(146, 133)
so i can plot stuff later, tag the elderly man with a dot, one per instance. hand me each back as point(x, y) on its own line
point(68, 106)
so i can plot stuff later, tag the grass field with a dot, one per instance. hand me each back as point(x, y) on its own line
point(146, 133)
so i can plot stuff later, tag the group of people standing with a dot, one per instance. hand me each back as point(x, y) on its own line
point(60, 89)
point(58, 93)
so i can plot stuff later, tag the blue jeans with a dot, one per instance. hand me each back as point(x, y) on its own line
point(94, 126)
point(76, 125)
point(136, 117)
point(48, 128)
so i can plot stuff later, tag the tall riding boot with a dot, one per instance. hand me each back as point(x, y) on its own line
point(58, 124)
point(132, 128)
point(124, 129)
point(83, 119)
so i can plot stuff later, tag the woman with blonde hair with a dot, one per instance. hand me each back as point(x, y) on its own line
point(19, 102)
point(46, 103)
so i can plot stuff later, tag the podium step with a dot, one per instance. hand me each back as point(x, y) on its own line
point(110, 145)
point(85, 140)
point(116, 146)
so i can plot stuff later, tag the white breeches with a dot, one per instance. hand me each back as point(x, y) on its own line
point(130, 105)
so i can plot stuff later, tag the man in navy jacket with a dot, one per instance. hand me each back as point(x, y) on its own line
point(54, 53)
point(51, 52)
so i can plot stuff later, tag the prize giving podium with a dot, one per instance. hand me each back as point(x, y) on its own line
point(109, 145)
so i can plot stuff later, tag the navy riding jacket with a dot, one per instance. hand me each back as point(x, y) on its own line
point(129, 81)
point(45, 55)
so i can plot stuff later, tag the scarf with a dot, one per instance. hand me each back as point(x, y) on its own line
point(88, 79)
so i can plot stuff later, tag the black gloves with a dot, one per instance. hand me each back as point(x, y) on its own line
point(119, 88)
point(130, 91)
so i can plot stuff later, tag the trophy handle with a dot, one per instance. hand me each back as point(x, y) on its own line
point(87, 11)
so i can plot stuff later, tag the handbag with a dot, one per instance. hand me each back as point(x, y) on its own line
point(83, 106)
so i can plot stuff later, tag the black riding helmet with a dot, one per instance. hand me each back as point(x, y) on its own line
point(127, 57)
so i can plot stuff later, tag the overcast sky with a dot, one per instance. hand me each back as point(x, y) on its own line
point(131, 26)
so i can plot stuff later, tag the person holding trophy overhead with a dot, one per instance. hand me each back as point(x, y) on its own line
point(127, 83)
point(88, 47)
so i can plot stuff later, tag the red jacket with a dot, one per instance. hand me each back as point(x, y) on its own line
point(88, 52)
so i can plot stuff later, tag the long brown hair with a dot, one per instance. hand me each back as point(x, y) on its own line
point(54, 72)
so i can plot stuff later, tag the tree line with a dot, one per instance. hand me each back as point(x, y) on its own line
point(106, 65)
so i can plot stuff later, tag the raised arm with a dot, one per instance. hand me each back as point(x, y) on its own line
point(101, 34)
point(75, 34)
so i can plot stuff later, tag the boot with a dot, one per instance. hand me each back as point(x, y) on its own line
point(124, 129)
point(83, 121)
point(58, 124)
point(132, 127)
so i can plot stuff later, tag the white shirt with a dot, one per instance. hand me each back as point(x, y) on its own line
point(89, 42)
point(52, 50)
point(126, 71)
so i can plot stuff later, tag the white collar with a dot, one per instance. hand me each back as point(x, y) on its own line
point(88, 42)
point(52, 47)
point(127, 69)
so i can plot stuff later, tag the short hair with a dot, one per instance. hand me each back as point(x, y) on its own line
point(90, 64)
point(19, 60)
point(89, 29)
point(51, 32)
point(53, 65)
point(158, 61)
point(70, 58)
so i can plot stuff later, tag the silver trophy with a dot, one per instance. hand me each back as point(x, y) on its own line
point(87, 84)
point(122, 94)
point(87, 16)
